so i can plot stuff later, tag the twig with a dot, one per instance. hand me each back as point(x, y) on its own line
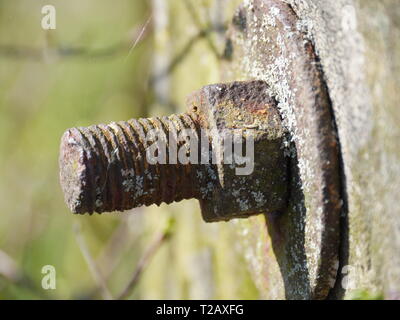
point(119, 242)
point(139, 37)
point(143, 263)
point(98, 278)
point(114, 248)
point(181, 55)
point(13, 274)
point(197, 21)
point(38, 54)
point(8, 267)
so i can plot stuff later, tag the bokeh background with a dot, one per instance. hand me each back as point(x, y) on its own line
point(105, 61)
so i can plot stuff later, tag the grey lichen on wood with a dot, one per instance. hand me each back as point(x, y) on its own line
point(355, 41)
point(360, 54)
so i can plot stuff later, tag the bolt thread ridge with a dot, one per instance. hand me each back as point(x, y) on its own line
point(114, 158)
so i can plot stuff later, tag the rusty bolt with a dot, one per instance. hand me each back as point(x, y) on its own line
point(104, 168)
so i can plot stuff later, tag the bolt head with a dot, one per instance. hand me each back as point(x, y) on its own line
point(246, 107)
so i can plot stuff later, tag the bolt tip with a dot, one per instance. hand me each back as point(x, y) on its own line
point(73, 170)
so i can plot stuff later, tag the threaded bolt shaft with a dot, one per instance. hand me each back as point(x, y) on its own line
point(197, 154)
point(104, 168)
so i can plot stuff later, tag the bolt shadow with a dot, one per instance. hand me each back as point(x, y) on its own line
point(287, 232)
point(338, 291)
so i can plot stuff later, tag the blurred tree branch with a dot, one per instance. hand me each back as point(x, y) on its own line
point(144, 262)
point(39, 54)
point(10, 271)
point(97, 276)
point(65, 52)
point(183, 54)
point(200, 26)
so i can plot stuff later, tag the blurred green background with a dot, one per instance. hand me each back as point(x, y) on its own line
point(105, 61)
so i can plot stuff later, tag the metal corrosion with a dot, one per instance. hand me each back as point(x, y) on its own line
point(104, 168)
